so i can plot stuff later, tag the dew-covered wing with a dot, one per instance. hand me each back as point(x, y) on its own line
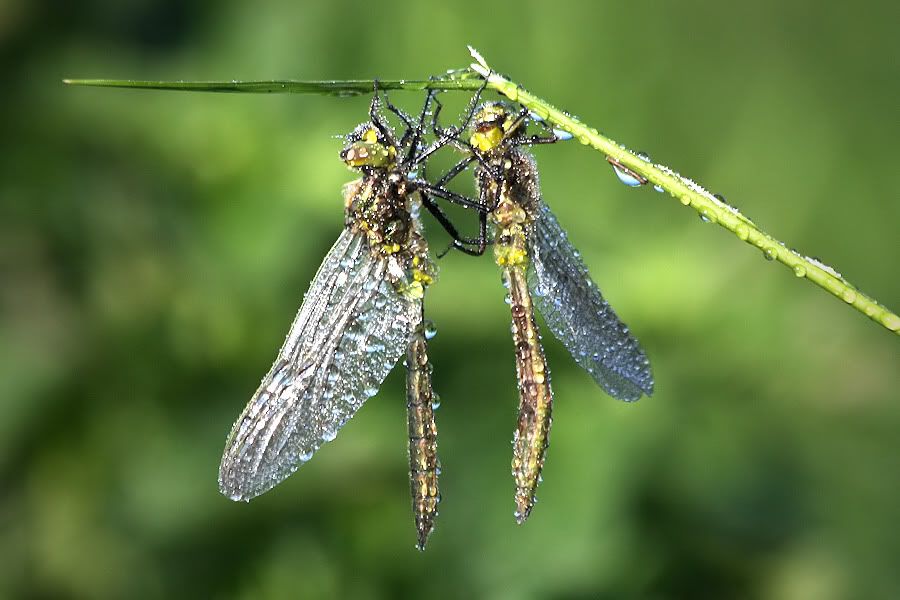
point(579, 317)
point(350, 331)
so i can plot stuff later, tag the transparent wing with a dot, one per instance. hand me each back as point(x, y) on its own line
point(579, 317)
point(350, 331)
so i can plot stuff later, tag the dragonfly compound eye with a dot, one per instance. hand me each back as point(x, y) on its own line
point(368, 154)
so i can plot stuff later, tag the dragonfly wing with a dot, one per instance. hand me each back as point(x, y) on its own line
point(350, 331)
point(579, 317)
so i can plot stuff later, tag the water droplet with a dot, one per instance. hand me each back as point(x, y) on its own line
point(685, 199)
point(823, 266)
point(658, 188)
point(849, 296)
point(562, 135)
point(435, 402)
point(800, 271)
point(370, 391)
point(626, 178)
point(720, 198)
point(430, 330)
point(770, 253)
point(329, 435)
point(891, 321)
point(643, 156)
point(742, 231)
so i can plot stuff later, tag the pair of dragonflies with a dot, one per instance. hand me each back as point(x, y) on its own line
point(365, 307)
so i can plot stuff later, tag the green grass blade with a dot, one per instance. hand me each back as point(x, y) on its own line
point(693, 195)
point(684, 190)
point(353, 87)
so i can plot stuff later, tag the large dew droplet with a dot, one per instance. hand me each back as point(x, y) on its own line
point(627, 178)
point(707, 217)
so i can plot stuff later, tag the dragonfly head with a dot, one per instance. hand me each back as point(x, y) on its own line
point(366, 147)
point(492, 123)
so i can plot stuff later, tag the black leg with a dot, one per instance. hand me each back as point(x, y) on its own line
point(407, 120)
point(453, 172)
point(435, 127)
point(442, 218)
point(450, 196)
point(473, 105)
point(462, 248)
point(418, 130)
point(480, 244)
point(376, 119)
point(404, 118)
point(450, 135)
point(444, 136)
point(531, 140)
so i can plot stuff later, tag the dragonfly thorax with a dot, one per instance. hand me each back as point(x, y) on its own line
point(492, 124)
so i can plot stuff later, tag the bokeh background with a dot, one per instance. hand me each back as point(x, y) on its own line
point(154, 247)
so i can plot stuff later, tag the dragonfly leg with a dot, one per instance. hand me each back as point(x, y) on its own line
point(450, 196)
point(376, 118)
point(480, 243)
point(454, 171)
point(417, 130)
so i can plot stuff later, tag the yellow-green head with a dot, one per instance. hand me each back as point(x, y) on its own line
point(492, 123)
point(366, 148)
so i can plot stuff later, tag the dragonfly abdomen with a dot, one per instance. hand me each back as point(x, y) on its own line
point(532, 436)
point(535, 396)
point(423, 460)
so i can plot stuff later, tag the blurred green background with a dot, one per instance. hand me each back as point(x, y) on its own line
point(154, 247)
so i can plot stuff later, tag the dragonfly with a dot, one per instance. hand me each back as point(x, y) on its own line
point(540, 269)
point(363, 311)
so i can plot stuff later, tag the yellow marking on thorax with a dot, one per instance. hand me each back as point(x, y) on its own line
point(510, 249)
point(485, 141)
